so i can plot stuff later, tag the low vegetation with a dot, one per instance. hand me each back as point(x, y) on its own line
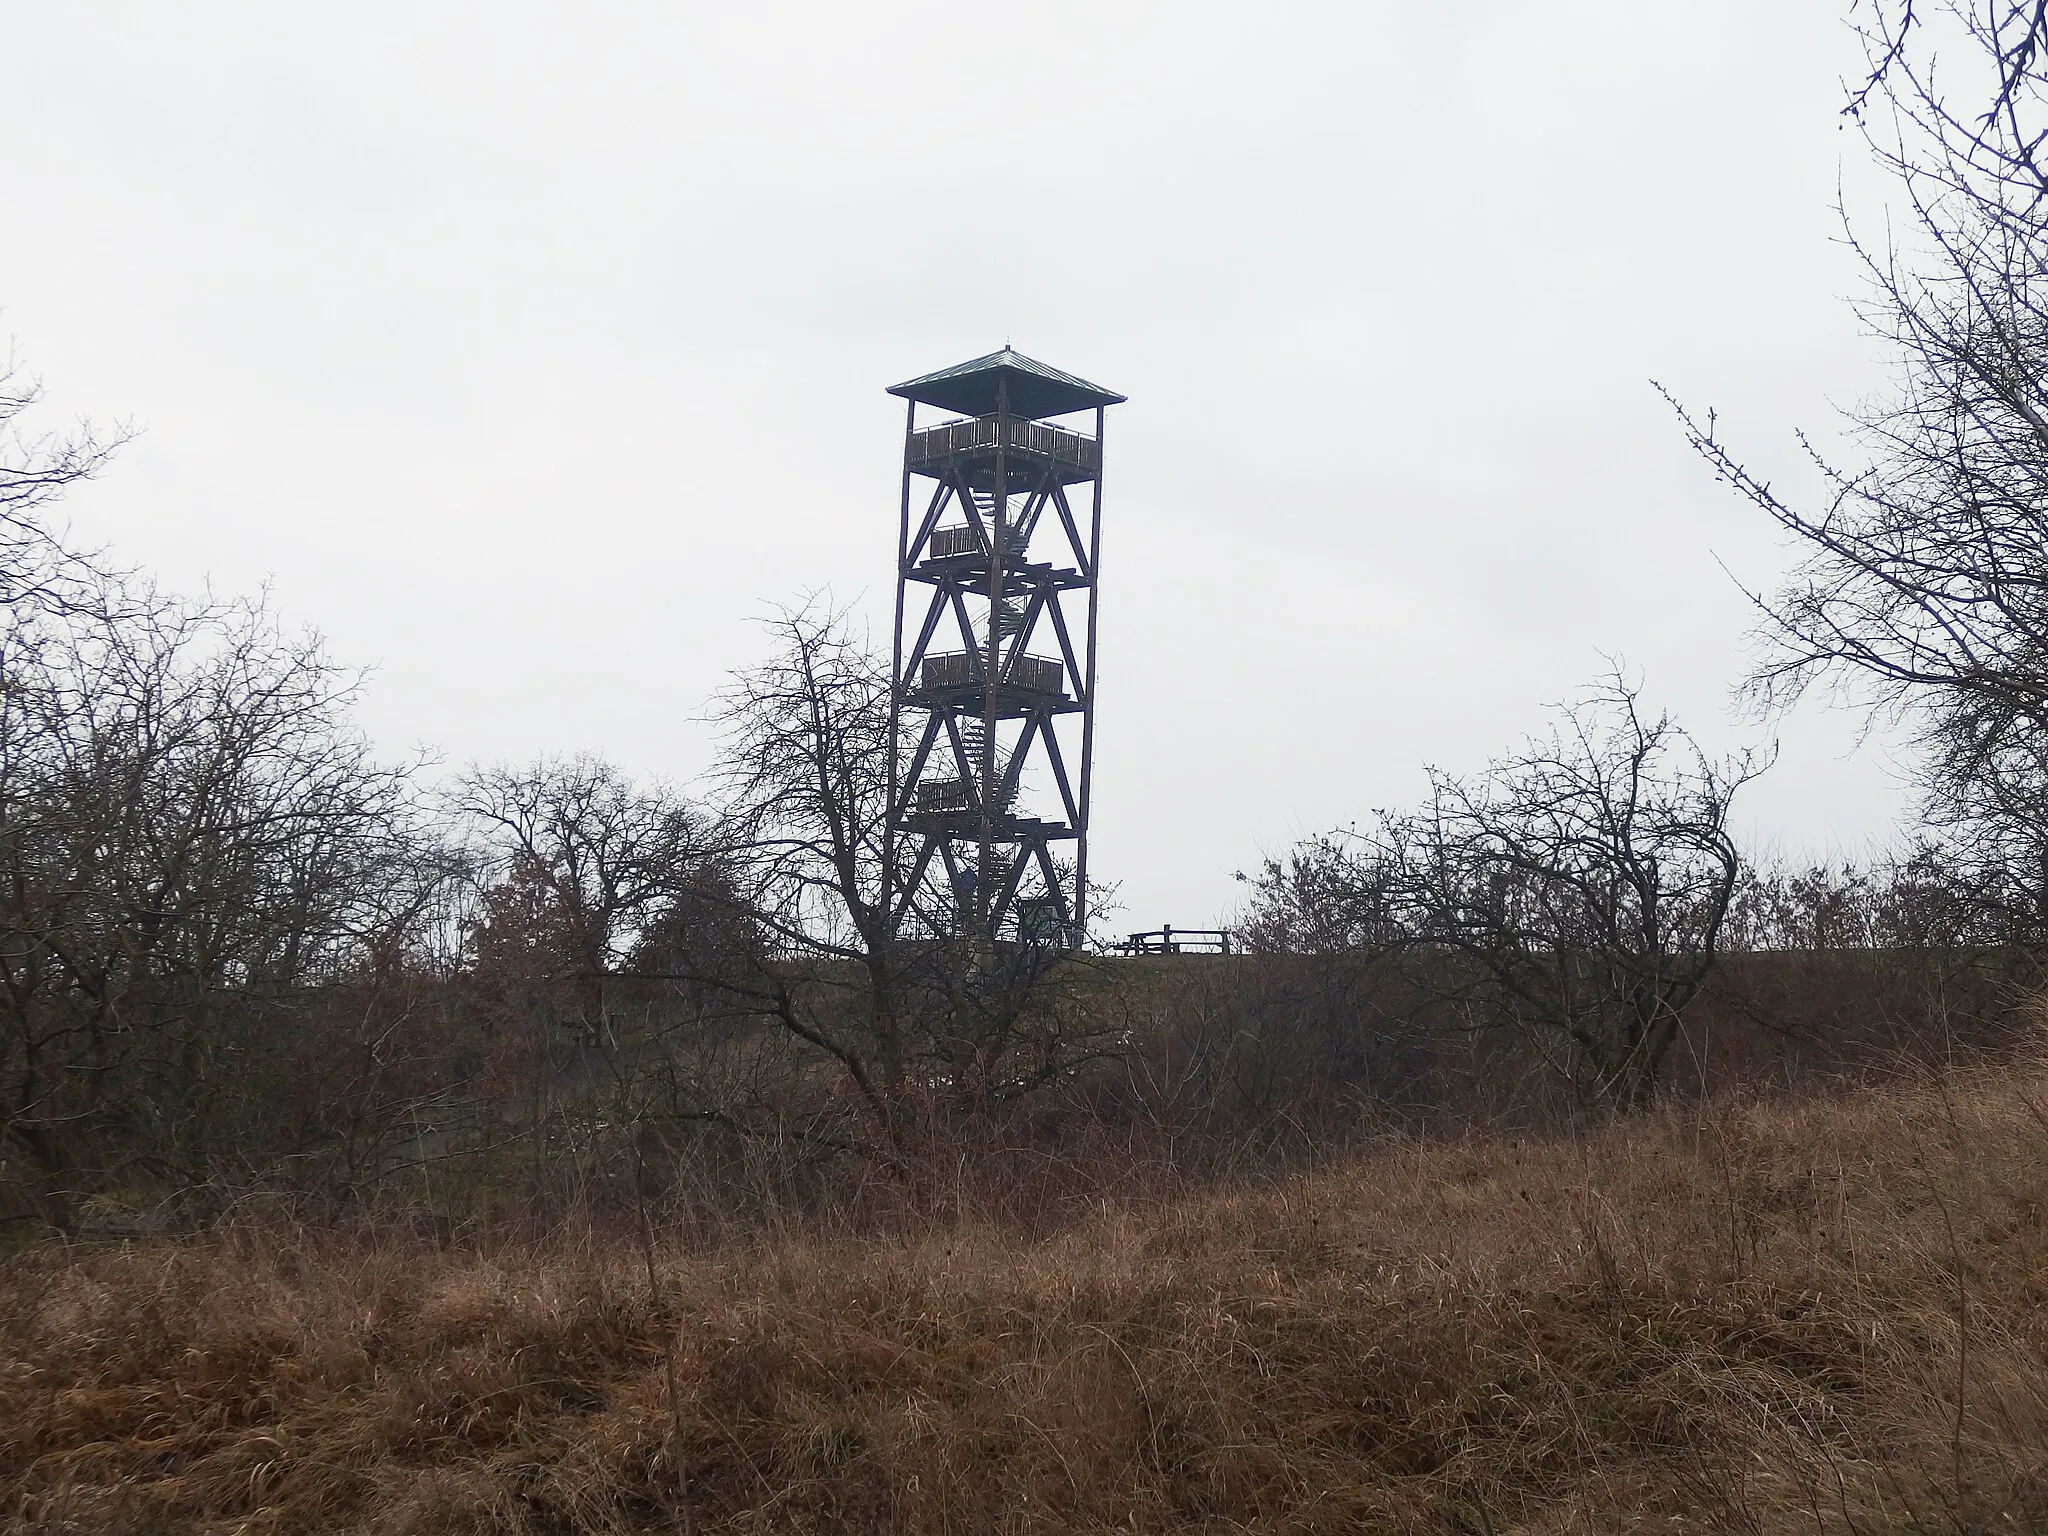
point(1819, 1314)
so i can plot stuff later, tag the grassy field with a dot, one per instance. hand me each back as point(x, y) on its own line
point(1819, 1315)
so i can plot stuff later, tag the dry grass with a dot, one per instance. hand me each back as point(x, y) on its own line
point(1822, 1316)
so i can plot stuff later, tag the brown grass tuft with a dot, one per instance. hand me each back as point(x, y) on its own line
point(1815, 1316)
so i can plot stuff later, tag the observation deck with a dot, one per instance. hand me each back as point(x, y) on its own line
point(954, 679)
point(957, 549)
point(1029, 450)
point(963, 823)
point(951, 807)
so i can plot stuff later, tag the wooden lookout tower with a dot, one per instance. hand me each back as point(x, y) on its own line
point(994, 699)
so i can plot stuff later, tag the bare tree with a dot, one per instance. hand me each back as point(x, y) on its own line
point(1575, 892)
point(218, 911)
point(596, 857)
point(805, 786)
point(580, 868)
point(805, 791)
point(1325, 896)
point(1922, 585)
point(37, 565)
point(2005, 43)
point(193, 844)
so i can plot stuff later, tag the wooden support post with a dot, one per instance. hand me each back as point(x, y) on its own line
point(1088, 698)
point(897, 790)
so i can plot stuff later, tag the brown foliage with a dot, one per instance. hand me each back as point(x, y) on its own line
point(1822, 1315)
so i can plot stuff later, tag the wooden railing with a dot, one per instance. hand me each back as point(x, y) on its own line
point(959, 669)
point(961, 539)
point(944, 795)
point(958, 540)
point(1038, 674)
point(1032, 438)
point(1178, 941)
point(951, 669)
point(958, 795)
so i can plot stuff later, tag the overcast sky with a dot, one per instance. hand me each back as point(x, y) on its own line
point(529, 352)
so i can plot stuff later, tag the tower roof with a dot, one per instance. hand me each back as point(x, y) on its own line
point(1033, 388)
